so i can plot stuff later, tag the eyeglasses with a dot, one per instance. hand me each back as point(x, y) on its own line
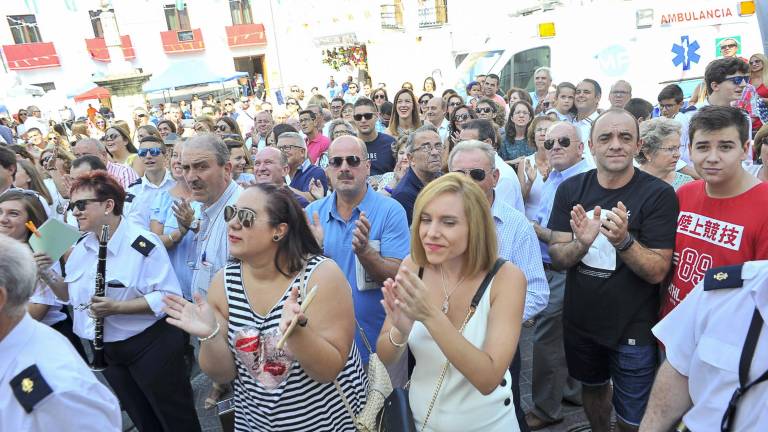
point(455, 104)
point(462, 117)
point(722, 47)
point(244, 216)
point(81, 204)
point(484, 110)
point(366, 116)
point(111, 137)
point(738, 79)
point(563, 141)
point(476, 174)
point(379, 96)
point(667, 106)
point(288, 147)
point(154, 151)
point(221, 128)
point(428, 148)
point(670, 150)
point(352, 161)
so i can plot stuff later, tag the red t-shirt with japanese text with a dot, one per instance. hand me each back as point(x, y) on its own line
point(714, 232)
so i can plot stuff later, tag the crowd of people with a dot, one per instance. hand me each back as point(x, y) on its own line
point(428, 230)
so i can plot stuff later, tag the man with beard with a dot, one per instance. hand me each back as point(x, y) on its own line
point(365, 232)
point(425, 154)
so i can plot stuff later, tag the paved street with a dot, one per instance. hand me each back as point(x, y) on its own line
point(575, 421)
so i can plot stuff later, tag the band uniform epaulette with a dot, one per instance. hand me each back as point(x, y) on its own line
point(137, 182)
point(143, 245)
point(129, 197)
point(723, 277)
point(30, 387)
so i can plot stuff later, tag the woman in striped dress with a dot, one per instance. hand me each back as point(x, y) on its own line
point(254, 299)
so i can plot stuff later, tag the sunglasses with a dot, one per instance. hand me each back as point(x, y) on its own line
point(738, 79)
point(476, 174)
point(722, 47)
point(221, 128)
point(455, 104)
point(352, 161)
point(111, 137)
point(81, 204)
point(366, 116)
point(244, 216)
point(484, 110)
point(379, 96)
point(154, 151)
point(563, 141)
point(462, 117)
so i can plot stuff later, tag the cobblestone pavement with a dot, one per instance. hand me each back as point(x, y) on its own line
point(574, 421)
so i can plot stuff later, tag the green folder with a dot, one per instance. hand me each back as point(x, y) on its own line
point(55, 239)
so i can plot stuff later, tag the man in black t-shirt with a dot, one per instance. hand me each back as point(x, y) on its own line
point(614, 231)
point(380, 151)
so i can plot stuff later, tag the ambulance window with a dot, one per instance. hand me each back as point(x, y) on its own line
point(518, 72)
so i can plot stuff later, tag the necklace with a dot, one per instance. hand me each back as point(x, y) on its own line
point(446, 294)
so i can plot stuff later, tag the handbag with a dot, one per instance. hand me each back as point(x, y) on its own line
point(394, 414)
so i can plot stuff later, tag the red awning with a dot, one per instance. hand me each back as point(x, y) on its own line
point(246, 35)
point(94, 93)
point(31, 56)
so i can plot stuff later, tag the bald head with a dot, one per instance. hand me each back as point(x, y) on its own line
point(91, 146)
point(343, 143)
point(566, 147)
point(621, 93)
point(270, 165)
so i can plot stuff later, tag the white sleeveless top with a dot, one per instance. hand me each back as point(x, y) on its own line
point(459, 406)
point(534, 196)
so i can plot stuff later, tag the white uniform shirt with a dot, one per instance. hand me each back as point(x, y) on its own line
point(142, 196)
point(704, 336)
point(130, 274)
point(44, 295)
point(66, 396)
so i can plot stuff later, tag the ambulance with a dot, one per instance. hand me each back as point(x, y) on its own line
point(648, 43)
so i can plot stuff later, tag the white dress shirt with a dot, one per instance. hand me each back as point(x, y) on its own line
point(508, 187)
point(704, 336)
point(130, 274)
point(142, 194)
point(65, 396)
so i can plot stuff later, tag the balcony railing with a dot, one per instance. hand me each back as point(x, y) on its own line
point(392, 16)
point(433, 16)
point(28, 56)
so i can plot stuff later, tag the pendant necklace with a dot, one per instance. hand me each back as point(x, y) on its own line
point(446, 294)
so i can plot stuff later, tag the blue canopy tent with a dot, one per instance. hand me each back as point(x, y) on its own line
point(187, 73)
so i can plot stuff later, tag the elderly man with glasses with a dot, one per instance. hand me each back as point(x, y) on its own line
point(304, 178)
point(425, 154)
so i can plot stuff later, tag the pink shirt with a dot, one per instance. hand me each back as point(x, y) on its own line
point(317, 146)
point(123, 174)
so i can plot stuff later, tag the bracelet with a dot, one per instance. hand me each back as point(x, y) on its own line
point(392, 340)
point(388, 189)
point(626, 243)
point(170, 236)
point(212, 335)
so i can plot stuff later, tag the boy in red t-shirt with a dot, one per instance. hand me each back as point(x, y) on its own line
point(723, 218)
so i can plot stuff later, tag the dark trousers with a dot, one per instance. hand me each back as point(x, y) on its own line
point(148, 374)
point(514, 370)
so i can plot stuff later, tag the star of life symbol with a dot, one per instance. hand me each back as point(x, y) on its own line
point(685, 53)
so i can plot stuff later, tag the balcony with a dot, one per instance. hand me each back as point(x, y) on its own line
point(97, 48)
point(31, 56)
point(182, 41)
point(242, 35)
point(434, 16)
point(392, 16)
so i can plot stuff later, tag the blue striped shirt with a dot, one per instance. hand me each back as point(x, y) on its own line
point(518, 244)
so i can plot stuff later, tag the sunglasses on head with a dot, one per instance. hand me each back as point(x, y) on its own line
point(154, 151)
point(738, 79)
point(352, 161)
point(366, 116)
point(244, 216)
point(563, 141)
point(476, 174)
point(81, 204)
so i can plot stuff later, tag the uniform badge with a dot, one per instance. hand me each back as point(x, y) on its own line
point(143, 245)
point(723, 277)
point(30, 388)
point(129, 197)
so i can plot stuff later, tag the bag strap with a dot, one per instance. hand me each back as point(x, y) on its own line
point(472, 307)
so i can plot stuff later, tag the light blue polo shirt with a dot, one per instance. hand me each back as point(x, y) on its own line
point(389, 226)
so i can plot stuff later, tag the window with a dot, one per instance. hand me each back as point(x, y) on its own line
point(518, 72)
point(177, 19)
point(474, 64)
point(241, 12)
point(432, 13)
point(46, 86)
point(392, 15)
point(98, 31)
point(24, 29)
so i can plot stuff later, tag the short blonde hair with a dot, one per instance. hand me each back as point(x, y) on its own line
point(481, 250)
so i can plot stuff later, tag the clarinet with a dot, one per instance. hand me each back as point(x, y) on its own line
point(99, 364)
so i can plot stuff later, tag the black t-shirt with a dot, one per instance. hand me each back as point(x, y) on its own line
point(604, 299)
point(380, 154)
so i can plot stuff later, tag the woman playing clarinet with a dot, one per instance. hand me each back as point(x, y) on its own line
point(144, 354)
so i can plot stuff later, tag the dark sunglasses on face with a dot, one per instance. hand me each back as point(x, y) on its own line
point(476, 174)
point(352, 161)
point(484, 110)
point(722, 47)
point(454, 104)
point(154, 151)
point(462, 117)
point(221, 128)
point(81, 204)
point(111, 137)
point(379, 96)
point(244, 216)
point(738, 79)
point(366, 116)
point(563, 141)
